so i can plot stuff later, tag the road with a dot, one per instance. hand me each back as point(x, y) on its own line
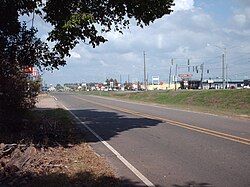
point(153, 145)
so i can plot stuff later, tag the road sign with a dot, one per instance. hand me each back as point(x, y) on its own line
point(185, 75)
point(155, 80)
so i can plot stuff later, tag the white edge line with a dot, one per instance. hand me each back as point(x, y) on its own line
point(116, 153)
point(54, 98)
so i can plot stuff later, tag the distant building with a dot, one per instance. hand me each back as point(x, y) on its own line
point(51, 89)
point(190, 84)
point(212, 84)
point(163, 86)
point(217, 84)
point(246, 83)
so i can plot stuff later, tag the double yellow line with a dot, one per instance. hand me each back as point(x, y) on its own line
point(175, 123)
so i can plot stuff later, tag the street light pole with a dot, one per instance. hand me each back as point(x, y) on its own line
point(175, 77)
point(170, 72)
point(223, 65)
point(223, 71)
point(202, 69)
point(227, 76)
point(145, 75)
point(223, 62)
point(169, 79)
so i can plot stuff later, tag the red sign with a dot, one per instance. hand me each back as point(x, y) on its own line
point(28, 70)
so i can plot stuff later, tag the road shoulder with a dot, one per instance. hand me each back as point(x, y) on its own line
point(57, 157)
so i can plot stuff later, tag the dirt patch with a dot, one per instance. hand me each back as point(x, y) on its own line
point(49, 149)
point(77, 165)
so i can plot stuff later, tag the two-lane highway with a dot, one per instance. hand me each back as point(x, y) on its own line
point(155, 145)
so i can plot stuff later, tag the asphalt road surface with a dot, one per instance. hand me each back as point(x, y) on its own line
point(151, 145)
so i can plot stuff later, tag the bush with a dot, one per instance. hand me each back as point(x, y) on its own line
point(17, 93)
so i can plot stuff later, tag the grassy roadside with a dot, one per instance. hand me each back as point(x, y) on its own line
point(59, 156)
point(225, 102)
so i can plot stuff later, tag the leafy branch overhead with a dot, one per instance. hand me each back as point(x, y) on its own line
point(88, 20)
point(81, 20)
point(71, 21)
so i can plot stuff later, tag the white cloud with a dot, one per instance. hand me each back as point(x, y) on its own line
point(181, 5)
point(243, 2)
point(240, 19)
point(183, 34)
point(160, 41)
point(130, 57)
point(236, 32)
point(75, 54)
point(103, 63)
point(202, 20)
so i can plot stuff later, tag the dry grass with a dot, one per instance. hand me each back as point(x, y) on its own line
point(75, 166)
point(62, 158)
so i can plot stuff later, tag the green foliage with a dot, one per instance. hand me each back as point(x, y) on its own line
point(72, 21)
point(59, 87)
point(77, 20)
point(17, 94)
point(17, 91)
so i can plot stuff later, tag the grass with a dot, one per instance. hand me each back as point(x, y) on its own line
point(54, 125)
point(226, 102)
point(62, 157)
point(83, 167)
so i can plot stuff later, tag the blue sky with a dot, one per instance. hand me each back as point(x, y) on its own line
point(182, 35)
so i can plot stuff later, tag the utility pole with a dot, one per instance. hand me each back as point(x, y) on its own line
point(145, 76)
point(223, 63)
point(175, 77)
point(169, 81)
point(120, 79)
point(170, 72)
point(223, 71)
point(147, 79)
point(226, 76)
point(128, 78)
point(188, 65)
point(202, 68)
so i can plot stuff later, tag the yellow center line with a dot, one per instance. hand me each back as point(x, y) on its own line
point(175, 123)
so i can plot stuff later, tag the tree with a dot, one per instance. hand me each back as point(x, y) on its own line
point(18, 51)
point(72, 21)
point(115, 83)
point(78, 20)
point(107, 82)
point(87, 20)
point(58, 87)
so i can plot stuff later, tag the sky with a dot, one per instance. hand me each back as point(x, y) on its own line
point(198, 30)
